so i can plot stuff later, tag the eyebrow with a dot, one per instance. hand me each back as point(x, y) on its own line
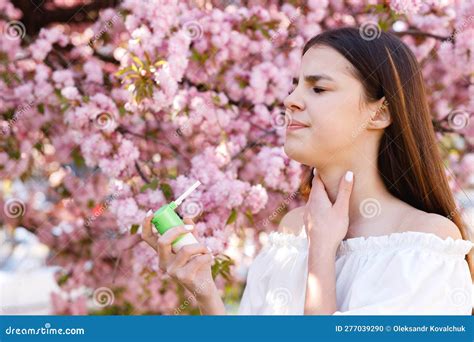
point(316, 78)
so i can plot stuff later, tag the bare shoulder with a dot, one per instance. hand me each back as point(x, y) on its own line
point(292, 222)
point(435, 224)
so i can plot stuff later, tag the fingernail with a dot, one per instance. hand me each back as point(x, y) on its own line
point(349, 176)
point(188, 226)
point(149, 213)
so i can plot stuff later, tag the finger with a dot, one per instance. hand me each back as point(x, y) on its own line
point(147, 232)
point(320, 195)
point(186, 253)
point(197, 262)
point(165, 241)
point(189, 222)
point(313, 185)
point(344, 192)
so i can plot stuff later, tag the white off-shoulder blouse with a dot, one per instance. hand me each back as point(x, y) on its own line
point(408, 273)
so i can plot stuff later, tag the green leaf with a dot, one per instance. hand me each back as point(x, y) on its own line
point(63, 279)
point(154, 184)
point(249, 216)
point(138, 61)
point(78, 159)
point(39, 146)
point(232, 217)
point(134, 228)
point(167, 191)
point(198, 57)
point(9, 114)
point(90, 203)
point(216, 100)
point(222, 266)
point(122, 110)
point(41, 108)
point(123, 71)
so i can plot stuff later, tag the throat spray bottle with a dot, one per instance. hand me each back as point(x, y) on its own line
point(166, 218)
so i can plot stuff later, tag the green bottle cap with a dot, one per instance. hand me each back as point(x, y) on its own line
point(166, 218)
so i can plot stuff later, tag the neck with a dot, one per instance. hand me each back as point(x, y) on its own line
point(368, 196)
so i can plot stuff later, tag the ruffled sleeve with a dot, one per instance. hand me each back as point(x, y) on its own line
point(276, 281)
point(410, 273)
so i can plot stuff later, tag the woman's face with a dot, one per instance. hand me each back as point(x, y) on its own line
point(328, 99)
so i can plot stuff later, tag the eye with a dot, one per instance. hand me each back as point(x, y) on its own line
point(318, 90)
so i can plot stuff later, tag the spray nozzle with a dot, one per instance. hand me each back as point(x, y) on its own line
point(181, 198)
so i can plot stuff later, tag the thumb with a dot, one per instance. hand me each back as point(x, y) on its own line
point(344, 192)
point(188, 220)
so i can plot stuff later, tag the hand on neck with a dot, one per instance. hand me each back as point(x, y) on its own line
point(369, 193)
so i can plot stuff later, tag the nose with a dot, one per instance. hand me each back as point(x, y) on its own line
point(293, 103)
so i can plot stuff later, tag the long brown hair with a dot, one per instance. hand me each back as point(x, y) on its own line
point(408, 157)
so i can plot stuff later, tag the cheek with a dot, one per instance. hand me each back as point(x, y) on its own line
point(333, 122)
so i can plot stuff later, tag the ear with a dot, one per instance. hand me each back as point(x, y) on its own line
point(379, 115)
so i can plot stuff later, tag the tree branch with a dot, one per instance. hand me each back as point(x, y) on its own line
point(140, 172)
point(419, 34)
point(36, 17)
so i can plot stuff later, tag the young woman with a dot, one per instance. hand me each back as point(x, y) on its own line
point(380, 232)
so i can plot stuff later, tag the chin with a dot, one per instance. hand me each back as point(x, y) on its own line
point(295, 152)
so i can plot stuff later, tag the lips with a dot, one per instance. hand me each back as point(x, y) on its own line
point(297, 124)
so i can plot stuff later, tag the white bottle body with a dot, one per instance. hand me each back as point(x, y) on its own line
point(186, 239)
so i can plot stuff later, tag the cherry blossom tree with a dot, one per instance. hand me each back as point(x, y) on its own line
point(106, 117)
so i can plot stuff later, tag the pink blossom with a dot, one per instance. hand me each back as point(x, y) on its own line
point(405, 6)
point(93, 71)
point(70, 93)
point(257, 198)
point(40, 49)
point(76, 124)
point(63, 78)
